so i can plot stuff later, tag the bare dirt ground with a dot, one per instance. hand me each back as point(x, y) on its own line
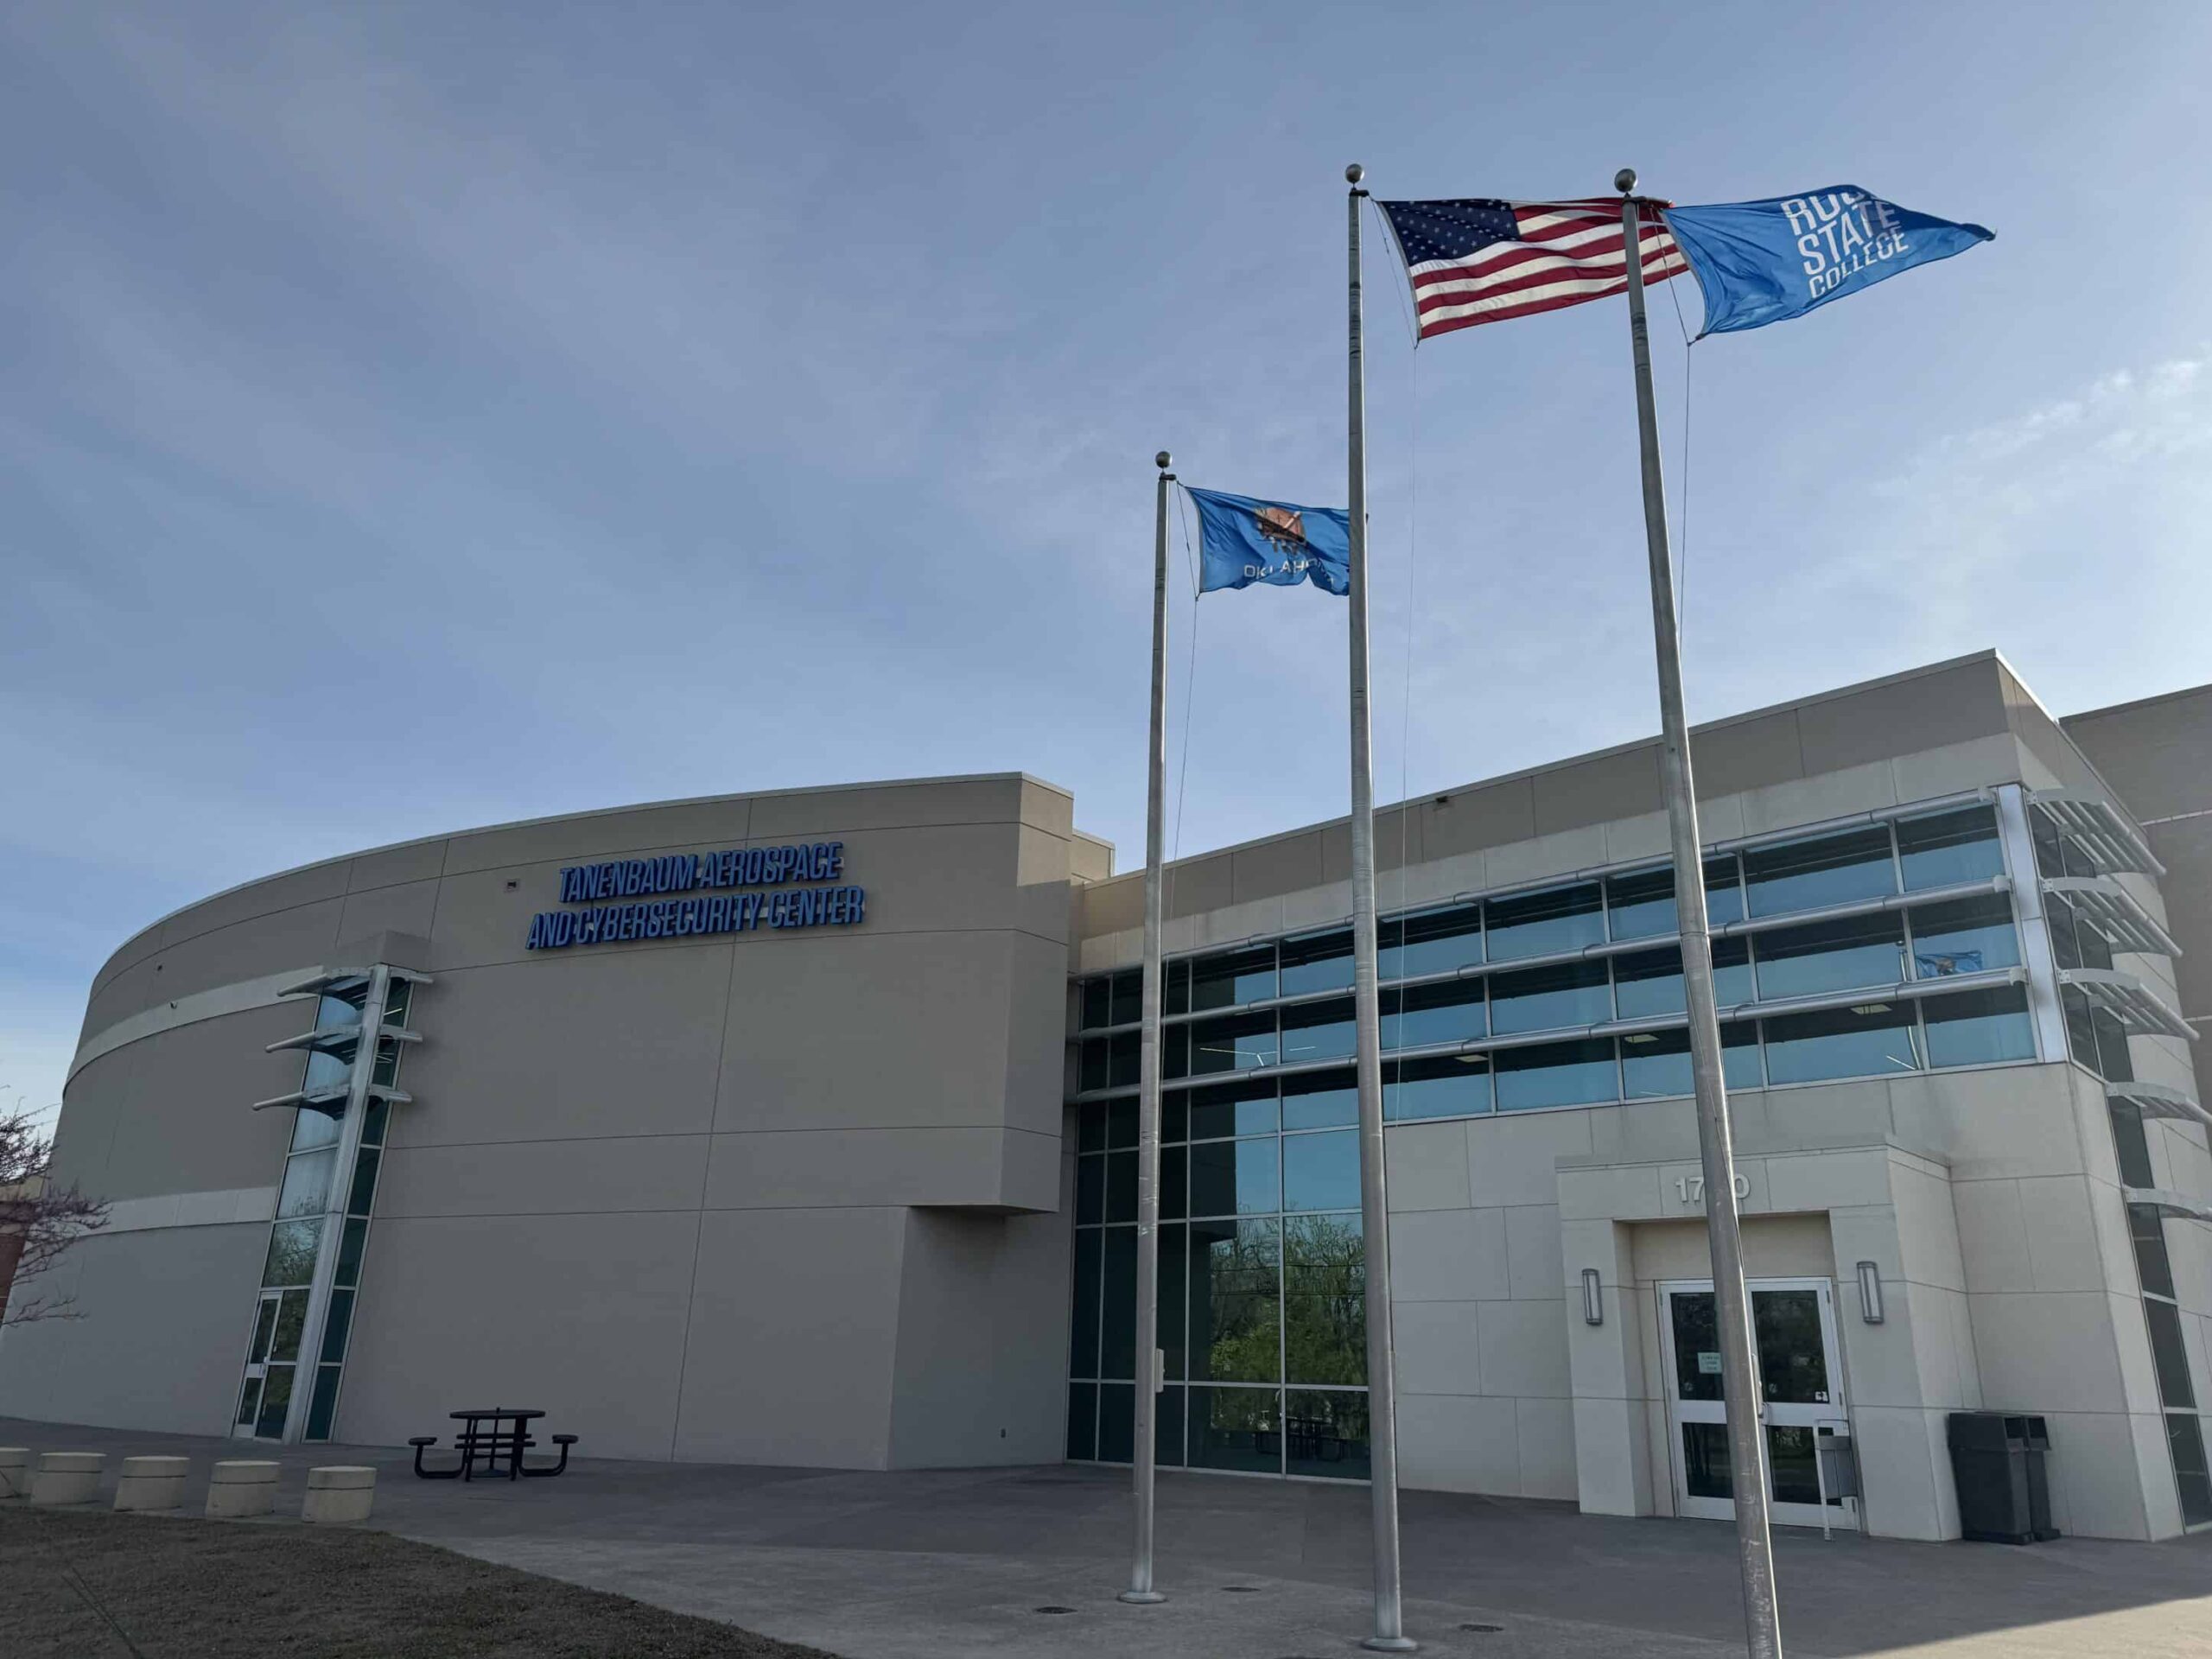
point(88, 1583)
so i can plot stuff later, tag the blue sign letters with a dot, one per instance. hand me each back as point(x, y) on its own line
point(649, 915)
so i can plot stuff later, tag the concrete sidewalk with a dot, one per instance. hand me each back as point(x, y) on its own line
point(942, 1565)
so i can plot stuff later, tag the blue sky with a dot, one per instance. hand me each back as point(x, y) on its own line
point(422, 415)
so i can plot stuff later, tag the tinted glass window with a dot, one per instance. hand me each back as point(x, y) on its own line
point(1320, 1101)
point(1321, 1172)
point(1830, 956)
point(1083, 1421)
point(312, 1128)
point(1538, 924)
point(1948, 848)
point(306, 1191)
point(1095, 1003)
point(1120, 1186)
point(1452, 1086)
point(1232, 977)
point(1317, 962)
point(1432, 942)
point(1448, 1012)
point(2185, 1439)
point(1326, 1435)
point(1174, 1287)
point(1235, 1302)
point(1090, 1191)
point(1872, 1040)
point(1967, 936)
point(1980, 1027)
point(1120, 1123)
point(1083, 1337)
point(1831, 870)
point(1128, 997)
point(1237, 1429)
point(1648, 982)
point(1236, 1044)
point(1540, 998)
point(1556, 1074)
point(1232, 1108)
point(1234, 1178)
point(2151, 1262)
point(1117, 1404)
point(2168, 1354)
point(1325, 1299)
point(1318, 1031)
point(2131, 1145)
point(1174, 1178)
point(1090, 1069)
point(1654, 1064)
point(1117, 1339)
point(1641, 903)
point(1091, 1128)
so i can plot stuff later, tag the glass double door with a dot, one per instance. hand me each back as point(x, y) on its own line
point(1800, 1396)
point(271, 1362)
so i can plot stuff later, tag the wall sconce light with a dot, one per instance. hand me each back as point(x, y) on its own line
point(1593, 1297)
point(1870, 1293)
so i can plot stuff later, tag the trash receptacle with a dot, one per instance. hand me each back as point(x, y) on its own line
point(2038, 1451)
point(1989, 1465)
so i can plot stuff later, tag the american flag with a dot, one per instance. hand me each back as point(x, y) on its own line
point(1484, 261)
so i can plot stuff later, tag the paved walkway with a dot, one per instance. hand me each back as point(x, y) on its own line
point(945, 1564)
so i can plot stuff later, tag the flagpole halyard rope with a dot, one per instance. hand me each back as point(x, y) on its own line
point(1682, 558)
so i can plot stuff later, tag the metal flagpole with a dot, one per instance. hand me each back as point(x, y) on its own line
point(1149, 1379)
point(1374, 1218)
point(1747, 1461)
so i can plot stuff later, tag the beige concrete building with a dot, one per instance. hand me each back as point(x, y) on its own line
point(800, 1128)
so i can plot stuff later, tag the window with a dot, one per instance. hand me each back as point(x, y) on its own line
point(1830, 956)
point(1237, 1043)
point(1235, 1178)
point(1642, 903)
point(1232, 1108)
point(1422, 1016)
point(1431, 942)
point(1946, 848)
point(1539, 924)
point(1452, 1085)
point(1320, 1100)
point(1966, 936)
point(1229, 979)
point(1544, 999)
point(1318, 1031)
point(1321, 1172)
point(2169, 1356)
point(2153, 1264)
point(1325, 1299)
point(1556, 1074)
point(1828, 870)
point(1647, 984)
point(1236, 1302)
point(1095, 1004)
point(1871, 1039)
point(1317, 962)
point(1980, 1027)
point(1656, 1064)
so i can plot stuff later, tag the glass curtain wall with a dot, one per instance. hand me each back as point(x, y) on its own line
point(1261, 1272)
point(2099, 1041)
point(274, 1361)
point(1262, 1282)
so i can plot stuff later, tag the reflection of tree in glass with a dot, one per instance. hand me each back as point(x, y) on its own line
point(291, 1252)
point(1244, 1295)
point(1325, 1299)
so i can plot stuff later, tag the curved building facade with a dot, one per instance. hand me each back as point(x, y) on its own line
point(800, 1129)
point(726, 1130)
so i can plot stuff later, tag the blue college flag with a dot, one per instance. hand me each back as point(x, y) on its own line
point(1242, 541)
point(1762, 262)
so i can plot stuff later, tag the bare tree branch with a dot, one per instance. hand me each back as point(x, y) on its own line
point(39, 1222)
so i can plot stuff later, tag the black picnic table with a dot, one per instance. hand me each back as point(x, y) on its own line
point(486, 1439)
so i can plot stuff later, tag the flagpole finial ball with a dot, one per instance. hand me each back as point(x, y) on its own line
point(1624, 180)
point(1354, 174)
point(1163, 461)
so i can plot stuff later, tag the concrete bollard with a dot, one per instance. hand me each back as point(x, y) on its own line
point(67, 1477)
point(339, 1492)
point(14, 1471)
point(151, 1483)
point(241, 1487)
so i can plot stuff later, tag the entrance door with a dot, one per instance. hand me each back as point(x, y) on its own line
point(270, 1362)
point(1801, 1389)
